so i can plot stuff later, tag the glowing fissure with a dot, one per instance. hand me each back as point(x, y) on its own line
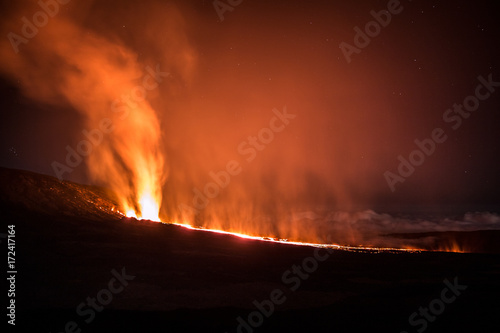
point(286, 241)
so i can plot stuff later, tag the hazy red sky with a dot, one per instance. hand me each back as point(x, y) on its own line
point(352, 121)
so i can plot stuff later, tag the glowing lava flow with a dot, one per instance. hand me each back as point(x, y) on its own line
point(148, 203)
point(286, 241)
point(149, 211)
point(153, 206)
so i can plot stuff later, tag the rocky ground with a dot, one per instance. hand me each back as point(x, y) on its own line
point(85, 268)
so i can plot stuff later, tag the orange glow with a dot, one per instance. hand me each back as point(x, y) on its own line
point(453, 246)
point(130, 213)
point(149, 209)
point(237, 160)
point(286, 241)
point(114, 87)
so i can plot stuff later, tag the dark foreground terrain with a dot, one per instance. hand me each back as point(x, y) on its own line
point(153, 277)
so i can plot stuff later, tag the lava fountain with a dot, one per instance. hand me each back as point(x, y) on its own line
point(111, 80)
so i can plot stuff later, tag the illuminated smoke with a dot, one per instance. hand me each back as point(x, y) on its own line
point(69, 62)
point(351, 121)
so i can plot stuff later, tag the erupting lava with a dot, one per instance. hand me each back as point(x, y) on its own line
point(132, 118)
point(149, 209)
point(453, 246)
point(115, 86)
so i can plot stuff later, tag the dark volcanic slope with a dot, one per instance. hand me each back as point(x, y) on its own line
point(30, 192)
point(191, 281)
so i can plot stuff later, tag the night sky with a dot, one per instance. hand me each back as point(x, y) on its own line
point(354, 114)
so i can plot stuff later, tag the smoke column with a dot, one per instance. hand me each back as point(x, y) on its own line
point(67, 61)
